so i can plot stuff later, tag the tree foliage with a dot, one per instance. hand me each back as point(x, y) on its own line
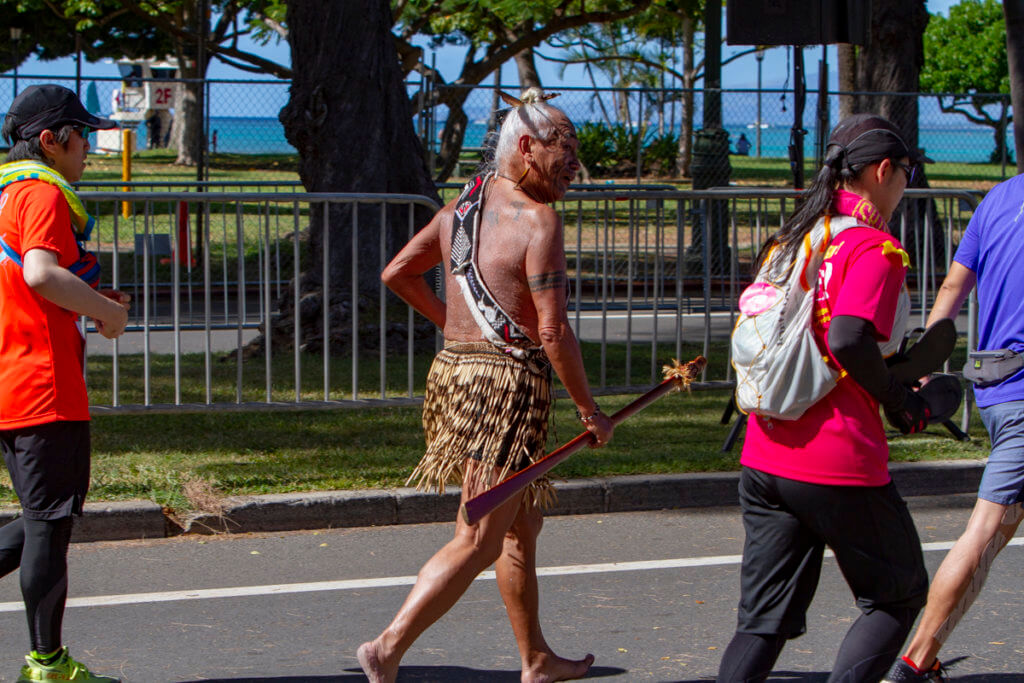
point(143, 28)
point(966, 51)
point(48, 33)
point(154, 28)
point(965, 61)
point(492, 32)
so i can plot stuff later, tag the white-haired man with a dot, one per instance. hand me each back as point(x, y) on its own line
point(489, 391)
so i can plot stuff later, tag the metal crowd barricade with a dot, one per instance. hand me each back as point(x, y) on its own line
point(186, 185)
point(668, 266)
point(651, 269)
point(230, 292)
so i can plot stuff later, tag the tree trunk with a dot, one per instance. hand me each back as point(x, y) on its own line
point(188, 120)
point(1001, 152)
point(1013, 12)
point(454, 132)
point(527, 66)
point(685, 155)
point(350, 119)
point(891, 63)
point(847, 79)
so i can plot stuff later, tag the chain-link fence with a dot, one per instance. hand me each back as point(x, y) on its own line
point(625, 133)
point(634, 133)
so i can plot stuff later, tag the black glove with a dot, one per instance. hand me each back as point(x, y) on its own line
point(909, 413)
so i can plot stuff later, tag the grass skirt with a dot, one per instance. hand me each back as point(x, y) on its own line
point(485, 404)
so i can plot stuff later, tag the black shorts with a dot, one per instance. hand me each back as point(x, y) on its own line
point(788, 524)
point(49, 467)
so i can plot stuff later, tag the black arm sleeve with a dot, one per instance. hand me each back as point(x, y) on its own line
point(852, 341)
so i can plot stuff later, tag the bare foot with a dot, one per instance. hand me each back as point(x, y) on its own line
point(550, 667)
point(370, 660)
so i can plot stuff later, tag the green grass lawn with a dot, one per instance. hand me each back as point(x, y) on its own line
point(153, 456)
point(158, 165)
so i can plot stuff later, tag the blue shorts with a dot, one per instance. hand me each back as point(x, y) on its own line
point(1003, 480)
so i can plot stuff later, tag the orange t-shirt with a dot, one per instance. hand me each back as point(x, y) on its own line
point(41, 346)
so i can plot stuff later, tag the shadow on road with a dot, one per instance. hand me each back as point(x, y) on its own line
point(449, 674)
point(280, 679)
point(821, 677)
point(776, 677)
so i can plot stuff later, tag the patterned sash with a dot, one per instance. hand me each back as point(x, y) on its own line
point(496, 325)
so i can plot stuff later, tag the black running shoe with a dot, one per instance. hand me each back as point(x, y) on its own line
point(901, 672)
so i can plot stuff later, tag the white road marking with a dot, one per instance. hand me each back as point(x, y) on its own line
point(644, 313)
point(393, 581)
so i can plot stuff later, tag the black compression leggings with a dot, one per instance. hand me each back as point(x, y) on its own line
point(40, 548)
point(872, 644)
point(868, 650)
point(749, 658)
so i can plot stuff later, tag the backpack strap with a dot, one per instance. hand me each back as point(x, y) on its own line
point(9, 253)
point(87, 267)
point(810, 258)
point(18, 171)
point(821, 236)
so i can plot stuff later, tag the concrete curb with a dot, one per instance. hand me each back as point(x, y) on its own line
point(332, 509)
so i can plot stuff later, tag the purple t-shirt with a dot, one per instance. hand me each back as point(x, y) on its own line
point(992, 246)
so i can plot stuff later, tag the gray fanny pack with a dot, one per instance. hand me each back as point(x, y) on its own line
point(987, 368)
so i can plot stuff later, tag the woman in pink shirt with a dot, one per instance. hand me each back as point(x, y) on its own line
point(822, 479)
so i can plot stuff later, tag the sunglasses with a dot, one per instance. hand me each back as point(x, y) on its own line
point(82, 130)
point(909, 169)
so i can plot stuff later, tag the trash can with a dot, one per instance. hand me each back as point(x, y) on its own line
point(710, 168)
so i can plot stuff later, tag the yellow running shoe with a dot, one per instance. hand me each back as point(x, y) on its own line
point(64, 669)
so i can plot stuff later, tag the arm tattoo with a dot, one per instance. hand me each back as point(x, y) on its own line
point(553, 280)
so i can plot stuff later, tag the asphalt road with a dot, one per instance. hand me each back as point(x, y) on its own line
point(651, 594)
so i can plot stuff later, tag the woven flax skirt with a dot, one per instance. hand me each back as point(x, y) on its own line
point(485, 404)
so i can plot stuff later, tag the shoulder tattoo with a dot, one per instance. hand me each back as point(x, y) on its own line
point(518, 206)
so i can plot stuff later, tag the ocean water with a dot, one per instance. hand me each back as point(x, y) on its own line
point(256, 135)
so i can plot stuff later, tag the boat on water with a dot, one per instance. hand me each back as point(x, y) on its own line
point(763, 125)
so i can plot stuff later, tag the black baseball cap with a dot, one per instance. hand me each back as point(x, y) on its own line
point(866, 138)
point(46, 107)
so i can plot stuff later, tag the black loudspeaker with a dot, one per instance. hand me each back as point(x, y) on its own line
point(797, 22)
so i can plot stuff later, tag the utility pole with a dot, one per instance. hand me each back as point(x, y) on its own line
point(15, 40)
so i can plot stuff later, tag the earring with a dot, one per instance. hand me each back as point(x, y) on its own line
point(523, 177)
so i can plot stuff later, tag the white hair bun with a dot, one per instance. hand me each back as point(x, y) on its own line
point(533, 96)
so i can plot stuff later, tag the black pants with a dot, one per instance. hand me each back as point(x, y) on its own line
point(788, 524)
point(49, 467)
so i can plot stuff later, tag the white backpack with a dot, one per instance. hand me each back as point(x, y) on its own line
point(780, 372)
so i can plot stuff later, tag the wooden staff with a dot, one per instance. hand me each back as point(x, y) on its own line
point(677, 376)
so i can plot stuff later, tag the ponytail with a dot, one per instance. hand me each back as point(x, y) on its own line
point(815, 202)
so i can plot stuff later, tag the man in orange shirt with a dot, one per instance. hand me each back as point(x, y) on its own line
point(47, 280)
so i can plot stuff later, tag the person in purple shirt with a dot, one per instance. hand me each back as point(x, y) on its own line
point(988, 257)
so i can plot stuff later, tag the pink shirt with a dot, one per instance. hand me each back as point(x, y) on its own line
point(840, 440)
